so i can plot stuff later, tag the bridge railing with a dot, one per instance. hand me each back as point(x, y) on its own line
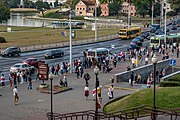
point(133, 113)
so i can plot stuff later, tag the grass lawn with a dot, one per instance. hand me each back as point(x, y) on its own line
point(168, 97)
point(26, 36)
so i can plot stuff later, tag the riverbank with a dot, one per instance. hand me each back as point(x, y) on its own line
point(23, 10)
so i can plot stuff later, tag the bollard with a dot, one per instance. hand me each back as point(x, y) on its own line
point(49, 44)
point(26, 48)
point(34, 46)
point(42, 46)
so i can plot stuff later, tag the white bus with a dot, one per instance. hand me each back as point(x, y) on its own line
point(98, 52)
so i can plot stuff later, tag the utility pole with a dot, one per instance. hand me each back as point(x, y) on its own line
point(129, 12)
point(162, 12)
point(70, 40)
point(95, 22)
point(165, 25)
point(152, 16)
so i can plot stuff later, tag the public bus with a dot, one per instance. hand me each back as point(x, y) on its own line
point(127, 33)
point(158, 40)
point(98, 52)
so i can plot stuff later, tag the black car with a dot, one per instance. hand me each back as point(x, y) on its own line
point(11, 51)
point(54, 53)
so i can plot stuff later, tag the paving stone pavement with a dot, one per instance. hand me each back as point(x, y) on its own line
point(35, 105)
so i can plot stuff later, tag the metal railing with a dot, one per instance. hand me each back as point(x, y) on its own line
point(133, 113)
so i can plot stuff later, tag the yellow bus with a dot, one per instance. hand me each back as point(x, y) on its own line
point(127, 33)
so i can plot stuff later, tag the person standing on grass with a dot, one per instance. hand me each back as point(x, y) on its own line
point(16, 96)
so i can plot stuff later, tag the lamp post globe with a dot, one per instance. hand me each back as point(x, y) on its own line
point(154, 59)
point(96, 70)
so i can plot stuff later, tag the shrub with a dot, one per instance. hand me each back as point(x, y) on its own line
point(78, 17)
point(2, 40)
point(171, 13)
point(169, 84)
point(174, 78)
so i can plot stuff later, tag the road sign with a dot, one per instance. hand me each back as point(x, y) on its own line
point(172, 62)
point(112, 47)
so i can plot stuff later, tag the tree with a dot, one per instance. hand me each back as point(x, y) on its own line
point(4, 12)
point(114, 7)
point(175, 5)
point(98, 11)
point(143, 7)
point(71, 3)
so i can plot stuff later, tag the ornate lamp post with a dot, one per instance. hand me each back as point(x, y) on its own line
point(154, 61)
point(51, 76)
point(96, 72)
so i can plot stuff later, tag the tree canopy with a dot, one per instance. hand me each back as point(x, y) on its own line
point(175, 5)
point(4, 12)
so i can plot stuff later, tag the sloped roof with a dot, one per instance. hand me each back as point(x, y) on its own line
point(88, 2)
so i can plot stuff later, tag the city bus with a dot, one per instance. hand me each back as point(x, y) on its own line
point(98, 52)
point(127, 33)
point(158, 40)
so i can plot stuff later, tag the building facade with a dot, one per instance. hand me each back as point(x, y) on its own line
point(87, 8)
point(125, 8)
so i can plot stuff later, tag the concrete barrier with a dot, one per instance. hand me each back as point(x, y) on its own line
point(143, 70)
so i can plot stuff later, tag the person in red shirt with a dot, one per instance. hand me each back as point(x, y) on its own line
point(2, 80)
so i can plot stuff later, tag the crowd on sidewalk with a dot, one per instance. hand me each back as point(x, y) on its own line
point(105, 64)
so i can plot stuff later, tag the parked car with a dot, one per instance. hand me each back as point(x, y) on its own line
point(21, 66)
point(32, 62)
point(54, 53)
point(11, 51)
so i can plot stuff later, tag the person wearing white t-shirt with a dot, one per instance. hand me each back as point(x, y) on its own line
point(16, 96)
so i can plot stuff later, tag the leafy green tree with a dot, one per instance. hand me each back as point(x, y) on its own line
point(72, 3)
point(98, 12)
point(4, 12)
point(175, 5)
point(143, 7)
point(114, 7)
point(14, 3)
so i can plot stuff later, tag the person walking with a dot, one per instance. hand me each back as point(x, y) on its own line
point(65, 81)
point(29, 82)
point(2, 80)
point(177, 52)
point(86, 77)
point(16, 96)
point(132, 78)
point(86, 91)
point(110, 92)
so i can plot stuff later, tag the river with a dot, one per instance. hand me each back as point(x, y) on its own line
point(20, 19)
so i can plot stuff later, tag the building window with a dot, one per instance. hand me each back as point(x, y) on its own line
point(92, 8)
point(80, 8)
point(83, 8)
point(77, 8)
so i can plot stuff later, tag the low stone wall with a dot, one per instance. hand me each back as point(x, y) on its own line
point(144, 71)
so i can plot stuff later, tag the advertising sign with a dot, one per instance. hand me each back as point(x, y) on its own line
point(43, 71)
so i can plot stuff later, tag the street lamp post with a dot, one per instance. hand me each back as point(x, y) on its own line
point(165, 33)
point(70, 40)
point(51, 79)
point(129, 13)
point(154, 61)
point(152, 16)
point(96, 71)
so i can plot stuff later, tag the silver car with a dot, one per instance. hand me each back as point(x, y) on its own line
point(21, 66)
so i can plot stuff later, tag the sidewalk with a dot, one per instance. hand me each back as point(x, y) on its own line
point(35, 105)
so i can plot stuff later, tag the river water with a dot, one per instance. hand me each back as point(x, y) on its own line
point(20, 19)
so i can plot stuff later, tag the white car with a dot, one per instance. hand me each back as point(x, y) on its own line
point(21, 66)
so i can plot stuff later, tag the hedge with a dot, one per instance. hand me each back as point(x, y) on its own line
point(2, 40)
point(169, 84)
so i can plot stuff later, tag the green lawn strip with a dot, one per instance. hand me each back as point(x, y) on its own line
point(45, 36)
point(165, 97)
